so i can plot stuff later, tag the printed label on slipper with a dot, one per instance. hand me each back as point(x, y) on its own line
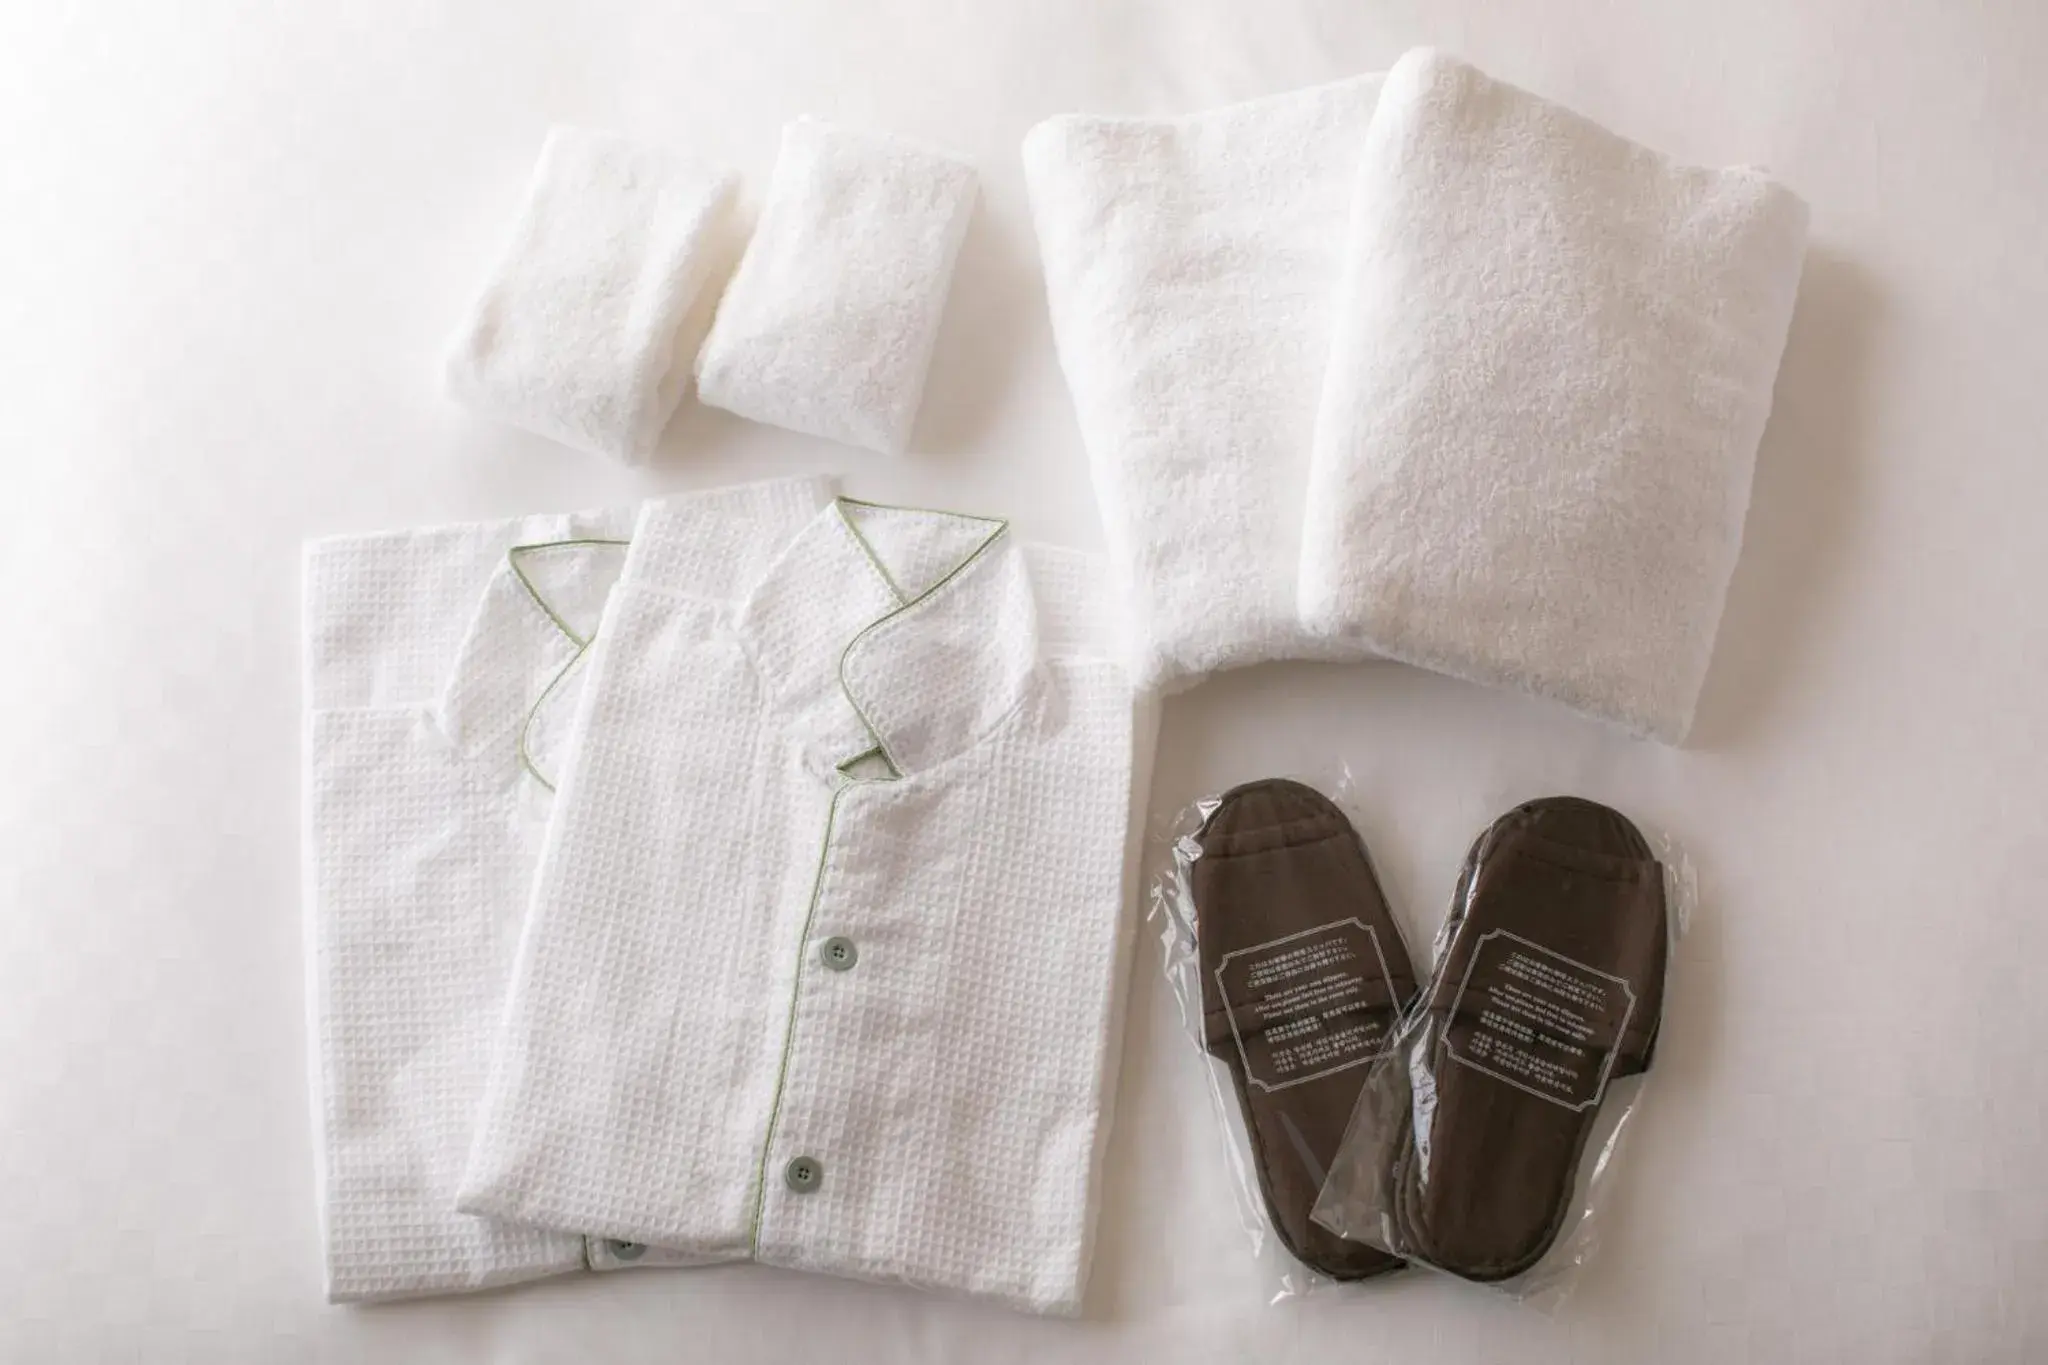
point(1538, 1020)
point(1310, 1004)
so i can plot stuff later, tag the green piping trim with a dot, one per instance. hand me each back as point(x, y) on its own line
point(880, 747)
point(512, 559)
point(906, 507)
point(789, 1024)
point(883, 620)
point(533, 711)
point(844, 766)
point(840, 504)
point(867, 550)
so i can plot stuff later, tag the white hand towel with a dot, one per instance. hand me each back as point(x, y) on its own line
point(1552, 367)
point(574, 335)
point(829, 323)
point(1190, 266)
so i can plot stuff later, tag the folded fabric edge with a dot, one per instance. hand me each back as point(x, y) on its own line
point(1252, 105)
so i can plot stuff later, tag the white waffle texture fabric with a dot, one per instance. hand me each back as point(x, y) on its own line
point(442, 669)
point(825, 958)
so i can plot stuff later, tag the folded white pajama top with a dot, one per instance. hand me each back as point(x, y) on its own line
point(824, 959)
point(442, 667)
point(1191, 266)
point(1553, 362)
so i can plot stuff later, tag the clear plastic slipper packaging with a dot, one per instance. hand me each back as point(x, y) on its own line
point(1291, 976)
point(1482, 1139)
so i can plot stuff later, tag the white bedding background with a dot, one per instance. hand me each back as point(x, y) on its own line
point(234, 238)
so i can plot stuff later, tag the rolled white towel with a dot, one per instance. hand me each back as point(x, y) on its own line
point(829, 323)
point(575, 333)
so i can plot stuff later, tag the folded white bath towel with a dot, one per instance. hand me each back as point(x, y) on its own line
point(1190, 266)
point(1551, 369)
point(828, 325)
point(575, 333)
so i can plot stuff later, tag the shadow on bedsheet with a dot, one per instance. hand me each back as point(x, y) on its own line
point(1803, 512)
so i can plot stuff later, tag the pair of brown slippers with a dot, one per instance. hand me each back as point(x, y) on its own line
point(1548, 984)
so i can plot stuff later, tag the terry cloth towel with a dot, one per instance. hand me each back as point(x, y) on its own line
point(575, 333)
point(858, 1014)
point(1190, 266)
point(1304, 977)
point(442, 669)
point(829, 322)
point(1552, 366)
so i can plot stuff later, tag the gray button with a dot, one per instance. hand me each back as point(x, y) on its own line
point(625, 1251)
point(803, 1174)
point(838, 953)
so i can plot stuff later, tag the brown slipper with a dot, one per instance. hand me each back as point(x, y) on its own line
point(1304, 976)
point(1549, 984)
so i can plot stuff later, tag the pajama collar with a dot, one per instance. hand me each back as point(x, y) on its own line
point(510, 694)
point(509, 701)
point(893, 634)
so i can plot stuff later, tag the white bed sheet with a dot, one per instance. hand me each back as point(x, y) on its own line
point(233, 237)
